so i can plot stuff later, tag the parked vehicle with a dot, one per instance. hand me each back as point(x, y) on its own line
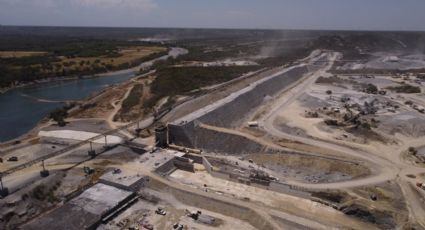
point(88, 170)
point(161, 212)
point(253, 124)
point(178, 226)
point(13, 158)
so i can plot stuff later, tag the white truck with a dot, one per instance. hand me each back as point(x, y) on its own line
point(253, 124)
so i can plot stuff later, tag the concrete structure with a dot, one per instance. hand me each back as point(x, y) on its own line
point(136, 147)
point(81, 136)
point(86, 211)
point(126, 179)
point(166, 168)
point(182, 161)
point(4, 191)
point(267, 185)
point(161, 136)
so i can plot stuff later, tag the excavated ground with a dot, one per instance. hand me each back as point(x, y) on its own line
point(310, 169)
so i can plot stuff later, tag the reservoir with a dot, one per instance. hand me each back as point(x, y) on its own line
point(22, 108)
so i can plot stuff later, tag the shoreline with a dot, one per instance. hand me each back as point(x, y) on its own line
point(31, 134)
point(68, 78)
point(28, 135)
point(97, 75)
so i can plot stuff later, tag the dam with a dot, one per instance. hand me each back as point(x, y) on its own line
point(230, 112)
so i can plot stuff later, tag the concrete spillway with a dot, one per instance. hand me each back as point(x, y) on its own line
point(229, 112)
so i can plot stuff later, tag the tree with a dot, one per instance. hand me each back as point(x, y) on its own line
point(371, 88)
point(59, 116)
point(366, 125)
point(413, 150)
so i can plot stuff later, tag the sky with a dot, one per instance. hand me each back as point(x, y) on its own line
point(256, 14)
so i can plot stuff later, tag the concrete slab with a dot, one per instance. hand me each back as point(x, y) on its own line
point(80, 136)
point(100, 198)
point(126, 177)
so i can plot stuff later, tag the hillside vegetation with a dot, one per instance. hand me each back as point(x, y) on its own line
point(78, 58)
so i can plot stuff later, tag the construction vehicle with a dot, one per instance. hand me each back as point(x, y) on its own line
point(88, 170)
point(178, 226)
point(161, 212)
point(194, 215)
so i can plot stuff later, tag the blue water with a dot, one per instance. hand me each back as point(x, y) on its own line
point(20, 111)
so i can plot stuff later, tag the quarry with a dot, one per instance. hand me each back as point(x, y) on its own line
point(317, 143)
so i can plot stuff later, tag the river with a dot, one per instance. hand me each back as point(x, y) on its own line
point(22, 108)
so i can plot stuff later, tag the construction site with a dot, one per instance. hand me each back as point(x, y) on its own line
point(307, 145)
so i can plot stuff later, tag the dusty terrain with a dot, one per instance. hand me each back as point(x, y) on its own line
point(392, 125)
point(19, 54)
point(330, 151)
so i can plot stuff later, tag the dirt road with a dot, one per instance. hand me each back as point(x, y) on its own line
point(383, 168)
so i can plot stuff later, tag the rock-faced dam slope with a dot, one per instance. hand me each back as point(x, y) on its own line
point(230, 111)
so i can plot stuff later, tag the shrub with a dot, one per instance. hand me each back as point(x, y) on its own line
point(172, 81)
point(39, 192)
point(413, 150)
point(366, 125)
point(331, 122)
point(59, 116)
point(133, 98)
point(405, 88)
point(371, 89)
point(312, 114)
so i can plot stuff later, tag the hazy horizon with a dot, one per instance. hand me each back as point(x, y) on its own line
point(207, 28)
point(360, 15)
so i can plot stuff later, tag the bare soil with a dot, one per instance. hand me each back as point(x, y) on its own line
point(310, 169)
